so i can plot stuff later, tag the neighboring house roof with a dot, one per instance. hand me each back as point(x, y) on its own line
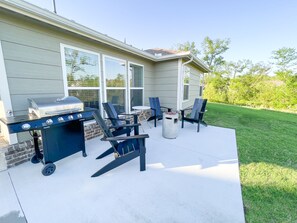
point(45, 16)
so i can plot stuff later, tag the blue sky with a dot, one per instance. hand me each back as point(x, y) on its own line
point(255, 28)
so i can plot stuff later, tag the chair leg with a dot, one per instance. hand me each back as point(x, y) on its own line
point(155, 121)
point(115, 163)
point(106, 153)
point(198, 127)
point(182, 118)
point(142, 154)
point(204, 123)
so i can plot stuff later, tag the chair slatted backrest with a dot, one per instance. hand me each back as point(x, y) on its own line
point(104, 127)
point(111, 113)
point(155, 104)
point(203, 108)
point(196, 108)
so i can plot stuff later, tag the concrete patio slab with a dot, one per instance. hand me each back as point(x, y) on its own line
point(10, 210)
point(193, 178)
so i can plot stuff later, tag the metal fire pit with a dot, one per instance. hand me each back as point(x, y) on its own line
point(60, 122)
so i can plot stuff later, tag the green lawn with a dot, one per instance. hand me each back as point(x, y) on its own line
point(267, 147)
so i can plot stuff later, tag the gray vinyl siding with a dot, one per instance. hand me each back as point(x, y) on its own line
point(194, 86)
point(33, 64)
point(165, 83)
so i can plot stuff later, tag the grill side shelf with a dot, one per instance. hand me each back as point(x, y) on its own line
point(27, 123)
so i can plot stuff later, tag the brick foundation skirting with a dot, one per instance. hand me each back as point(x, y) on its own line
point(13, 155)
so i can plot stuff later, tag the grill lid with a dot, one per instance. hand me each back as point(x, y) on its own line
point(42, 107)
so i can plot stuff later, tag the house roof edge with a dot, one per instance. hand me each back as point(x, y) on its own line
point(48, 17)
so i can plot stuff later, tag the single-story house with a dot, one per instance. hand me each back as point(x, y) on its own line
point(43, 54)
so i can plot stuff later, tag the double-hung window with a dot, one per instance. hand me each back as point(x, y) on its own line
point(115, 76)
point(82, 78)
point(186, 83)
point(136, 84)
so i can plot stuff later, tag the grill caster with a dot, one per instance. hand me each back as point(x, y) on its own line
point(48, 169)
point(84, 154)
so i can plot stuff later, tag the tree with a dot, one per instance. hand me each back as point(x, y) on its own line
point(284, 58)
point(188, 46)
point(213, 50)
point(77, 69)
point(259, 68)
point(240, 67)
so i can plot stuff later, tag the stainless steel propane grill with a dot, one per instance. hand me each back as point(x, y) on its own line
point(60, 121)
point(42, 107)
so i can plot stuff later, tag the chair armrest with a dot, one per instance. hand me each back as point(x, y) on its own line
point(129, 114)
point(143, 136)
point(188, 108)
point(169, 109)
point(119, 119)
point(127, 125)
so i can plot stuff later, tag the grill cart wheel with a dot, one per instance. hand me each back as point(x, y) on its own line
point(48, 169)
point(36, 160)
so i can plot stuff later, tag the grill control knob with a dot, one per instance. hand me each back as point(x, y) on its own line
point(79, 115)
point(26, 126)
point(70, 117)
point(49, 122)
point(60, 119)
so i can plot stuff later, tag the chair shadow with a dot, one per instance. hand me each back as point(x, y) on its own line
point(13, 217)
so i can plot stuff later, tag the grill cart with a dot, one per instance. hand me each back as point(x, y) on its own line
point(60, 122)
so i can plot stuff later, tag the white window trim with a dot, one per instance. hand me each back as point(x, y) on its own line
point(183, 84)
point(114, 88)
point(83, 88)
point(64, 70)
point(134, 88)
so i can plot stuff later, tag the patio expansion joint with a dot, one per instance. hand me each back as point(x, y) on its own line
point(17, 197)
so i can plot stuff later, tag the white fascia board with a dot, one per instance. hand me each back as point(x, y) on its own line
point(201, 64)
point(188, 55)
point(172, 56)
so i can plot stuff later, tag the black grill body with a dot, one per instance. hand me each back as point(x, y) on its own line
point(62, 135)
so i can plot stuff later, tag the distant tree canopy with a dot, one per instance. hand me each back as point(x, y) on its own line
point(213, 50)
point(285, 58)
point(270, 85)
point(188, 46)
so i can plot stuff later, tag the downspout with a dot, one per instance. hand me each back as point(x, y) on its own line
point(181, 79)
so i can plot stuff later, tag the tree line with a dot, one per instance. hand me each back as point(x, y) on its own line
point(271, 85)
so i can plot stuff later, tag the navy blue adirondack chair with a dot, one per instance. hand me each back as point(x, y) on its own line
point(197, 113)
point(118, 124)
point(157, 113)
point(125, 148)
